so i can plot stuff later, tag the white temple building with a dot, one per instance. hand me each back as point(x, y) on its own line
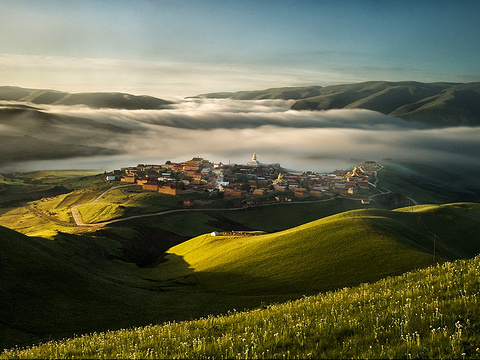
point(254, 161)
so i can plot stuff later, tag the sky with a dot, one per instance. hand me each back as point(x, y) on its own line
point(182, 48)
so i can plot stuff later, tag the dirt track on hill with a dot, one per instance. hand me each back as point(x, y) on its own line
point(48, 217)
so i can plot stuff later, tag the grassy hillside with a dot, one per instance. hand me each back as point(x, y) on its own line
point(438, 104)
point(428, 183)
point(44, 96)
point(391, 98)
point(32, 120)
point(77, 284)
point(340, 250)
point(13, 93)
point(55, 287)
point(50, 195)
point(39, 285)
point(113, 100)
point(122, 203)
point(30, 186)
point(458, 105)
point(431, 313)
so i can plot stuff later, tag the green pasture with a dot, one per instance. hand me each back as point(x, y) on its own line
point(431, 313)
point(336, 251)
point(429, 184)
point(78, 283)
point(123, 202)
point(63, 280)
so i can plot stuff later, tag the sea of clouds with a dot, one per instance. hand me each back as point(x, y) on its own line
point(224, 130)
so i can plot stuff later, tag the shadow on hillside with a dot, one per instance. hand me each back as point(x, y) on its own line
point(142, 245)
point(10, 198)
point(54, 289)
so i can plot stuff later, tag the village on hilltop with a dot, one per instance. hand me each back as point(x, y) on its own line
point(202, 183)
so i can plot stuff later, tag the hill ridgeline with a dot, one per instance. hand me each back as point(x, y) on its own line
point(435, 104)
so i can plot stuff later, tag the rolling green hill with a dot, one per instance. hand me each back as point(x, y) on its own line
point(437, 104)
point(279, 93)
point(431, 313)
point(57, 287)
point(31, 120)
point(93, 100)
point(379, 96)
point(337, 251)
point(13, 93)
point(71, 284)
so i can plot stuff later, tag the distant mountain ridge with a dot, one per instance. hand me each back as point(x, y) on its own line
point(111, 100)
point(436, 104)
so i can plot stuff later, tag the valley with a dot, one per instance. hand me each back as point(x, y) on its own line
point(135, 265)
point(239, 179)
point(171, 240)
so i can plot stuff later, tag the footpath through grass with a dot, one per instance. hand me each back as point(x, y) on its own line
point(431, 313)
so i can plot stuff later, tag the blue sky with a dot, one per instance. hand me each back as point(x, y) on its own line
point(181, 48)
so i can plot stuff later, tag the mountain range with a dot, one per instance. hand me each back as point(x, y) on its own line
point(112, 100)
point(435, 104)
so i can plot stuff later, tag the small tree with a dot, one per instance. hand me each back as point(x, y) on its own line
point(180, 185)
point(245, 186)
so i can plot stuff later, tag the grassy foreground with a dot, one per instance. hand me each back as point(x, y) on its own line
point(433, 313)
point(77, 284)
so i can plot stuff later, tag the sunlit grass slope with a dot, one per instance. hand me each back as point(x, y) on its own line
point(119, 203)
point(17, 188)
point(430, 313)
point(333, 252)
point(72, 284)
point(38, 218)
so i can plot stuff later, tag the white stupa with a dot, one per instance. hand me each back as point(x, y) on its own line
point(254, 161)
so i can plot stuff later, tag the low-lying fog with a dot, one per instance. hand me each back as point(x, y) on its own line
point(230, 131)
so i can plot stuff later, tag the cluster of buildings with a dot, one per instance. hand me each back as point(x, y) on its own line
point(252, 183)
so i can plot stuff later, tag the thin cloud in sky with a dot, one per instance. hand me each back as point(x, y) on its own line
point(167, 79)
point(181, 48)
